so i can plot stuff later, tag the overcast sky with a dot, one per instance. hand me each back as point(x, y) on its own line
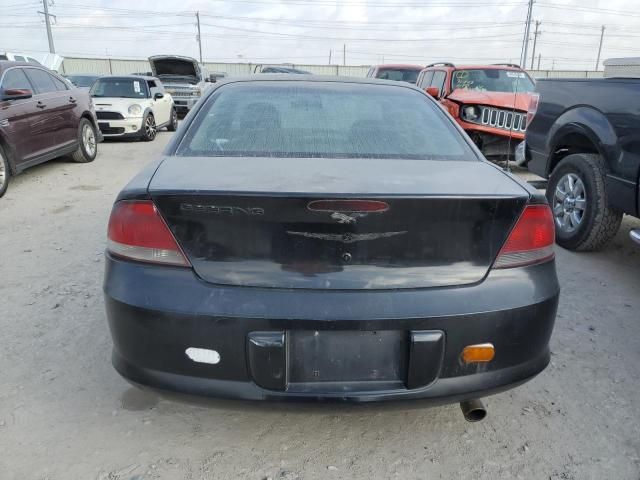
point(305, 31)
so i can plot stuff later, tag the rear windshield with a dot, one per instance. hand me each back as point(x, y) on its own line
point(82, 80)
point(492, 80)
point(399, 74)
point(119, 88)
point(322, 119)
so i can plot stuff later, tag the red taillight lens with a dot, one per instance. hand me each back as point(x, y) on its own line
point(534, 100)
point(530, 241)
point(137, 231)
point(348, 206)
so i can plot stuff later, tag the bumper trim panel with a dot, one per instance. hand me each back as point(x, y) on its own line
point(426, 350)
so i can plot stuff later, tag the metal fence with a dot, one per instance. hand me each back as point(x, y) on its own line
point(107, 66)
point(113, 66)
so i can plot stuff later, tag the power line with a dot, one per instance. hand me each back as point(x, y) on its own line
point(580, 8)
point(300, 36)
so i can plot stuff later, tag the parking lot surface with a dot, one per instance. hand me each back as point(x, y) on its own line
point(66, 414)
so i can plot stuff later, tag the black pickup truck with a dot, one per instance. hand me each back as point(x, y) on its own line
point(585, 138)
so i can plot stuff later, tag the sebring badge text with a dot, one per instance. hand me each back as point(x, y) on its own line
point(221, 209)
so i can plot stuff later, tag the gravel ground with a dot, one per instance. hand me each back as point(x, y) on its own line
point(66, 414)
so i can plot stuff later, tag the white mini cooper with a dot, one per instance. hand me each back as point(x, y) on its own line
point(133, 106)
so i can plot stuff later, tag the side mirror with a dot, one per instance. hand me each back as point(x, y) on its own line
point(16, 93)
point(433, 91)
point(158, 96)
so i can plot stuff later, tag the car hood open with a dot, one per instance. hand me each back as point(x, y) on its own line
point(173, 65)
point(519, 101)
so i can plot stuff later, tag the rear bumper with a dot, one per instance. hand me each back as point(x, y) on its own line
point(156, 313)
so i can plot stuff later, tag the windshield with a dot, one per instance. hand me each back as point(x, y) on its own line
point(119, 88)
point(82, 80)
point(492, 80)
point(300, 119)
point(398, 74)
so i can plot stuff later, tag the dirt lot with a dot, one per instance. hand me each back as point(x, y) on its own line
point(66, 414)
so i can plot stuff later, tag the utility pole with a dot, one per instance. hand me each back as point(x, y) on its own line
point(344, 54)
point(535, 40)
point(600, 47)
point(47, 21)
point(525, 40)
point(199, 37)
point(329, 57)
point(539, 59)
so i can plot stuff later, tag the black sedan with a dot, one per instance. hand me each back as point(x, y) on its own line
point(329, 238)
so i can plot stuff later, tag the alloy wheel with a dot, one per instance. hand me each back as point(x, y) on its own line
point(3, 173)
point(150, 127)
point(89, 140)
point(569, 202)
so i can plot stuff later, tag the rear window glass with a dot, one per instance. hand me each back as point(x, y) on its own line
point(399, 74)
point(315, 119)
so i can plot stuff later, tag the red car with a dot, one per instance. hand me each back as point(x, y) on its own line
point(42, 117)
point(400, 73)
point(489, 101)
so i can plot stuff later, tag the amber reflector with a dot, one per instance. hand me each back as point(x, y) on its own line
point(482, 352)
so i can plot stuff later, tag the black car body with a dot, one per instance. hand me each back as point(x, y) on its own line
point(587, 130)
point(309, 259)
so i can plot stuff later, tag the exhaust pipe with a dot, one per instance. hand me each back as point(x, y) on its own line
point(473, 410)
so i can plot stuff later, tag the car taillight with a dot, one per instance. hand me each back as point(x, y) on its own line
point(530, 241)
point(534, 100)
point(138, 232)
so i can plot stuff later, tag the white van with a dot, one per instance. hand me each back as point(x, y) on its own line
point(18, 57)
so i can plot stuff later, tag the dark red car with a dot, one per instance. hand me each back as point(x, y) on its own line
point(42, 117)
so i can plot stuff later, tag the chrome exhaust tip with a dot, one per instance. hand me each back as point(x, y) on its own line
point(473, 410)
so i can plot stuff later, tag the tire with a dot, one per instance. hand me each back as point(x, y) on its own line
point(149, 129)
point(173, 124)
point(87, 144)
point(578, 199)
point(5, 172)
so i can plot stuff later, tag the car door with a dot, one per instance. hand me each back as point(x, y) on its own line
point(425, 81)
point(161, 106)
point(18, 116)
point(71, 111)
point(48, 130)
point(439, 76)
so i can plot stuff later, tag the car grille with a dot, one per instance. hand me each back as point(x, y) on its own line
point(109, 116)
point(503, 119)
point(181, 93)
point(107, 130)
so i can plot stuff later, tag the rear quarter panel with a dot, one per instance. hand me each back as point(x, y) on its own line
point(604, 110)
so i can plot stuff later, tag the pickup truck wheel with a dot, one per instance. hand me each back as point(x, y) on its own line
point(173, 124)
point(578, 198)
point(87, 143)
point(149, 129)
point(5, 172)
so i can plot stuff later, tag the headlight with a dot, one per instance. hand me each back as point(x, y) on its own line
point(471, 113)
point(197, 92)
point(135, 109)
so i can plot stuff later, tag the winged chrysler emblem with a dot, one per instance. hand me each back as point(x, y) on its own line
point(347, 237)
point(342, 218)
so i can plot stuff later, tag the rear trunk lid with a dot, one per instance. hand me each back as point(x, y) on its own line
point(283, 223)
